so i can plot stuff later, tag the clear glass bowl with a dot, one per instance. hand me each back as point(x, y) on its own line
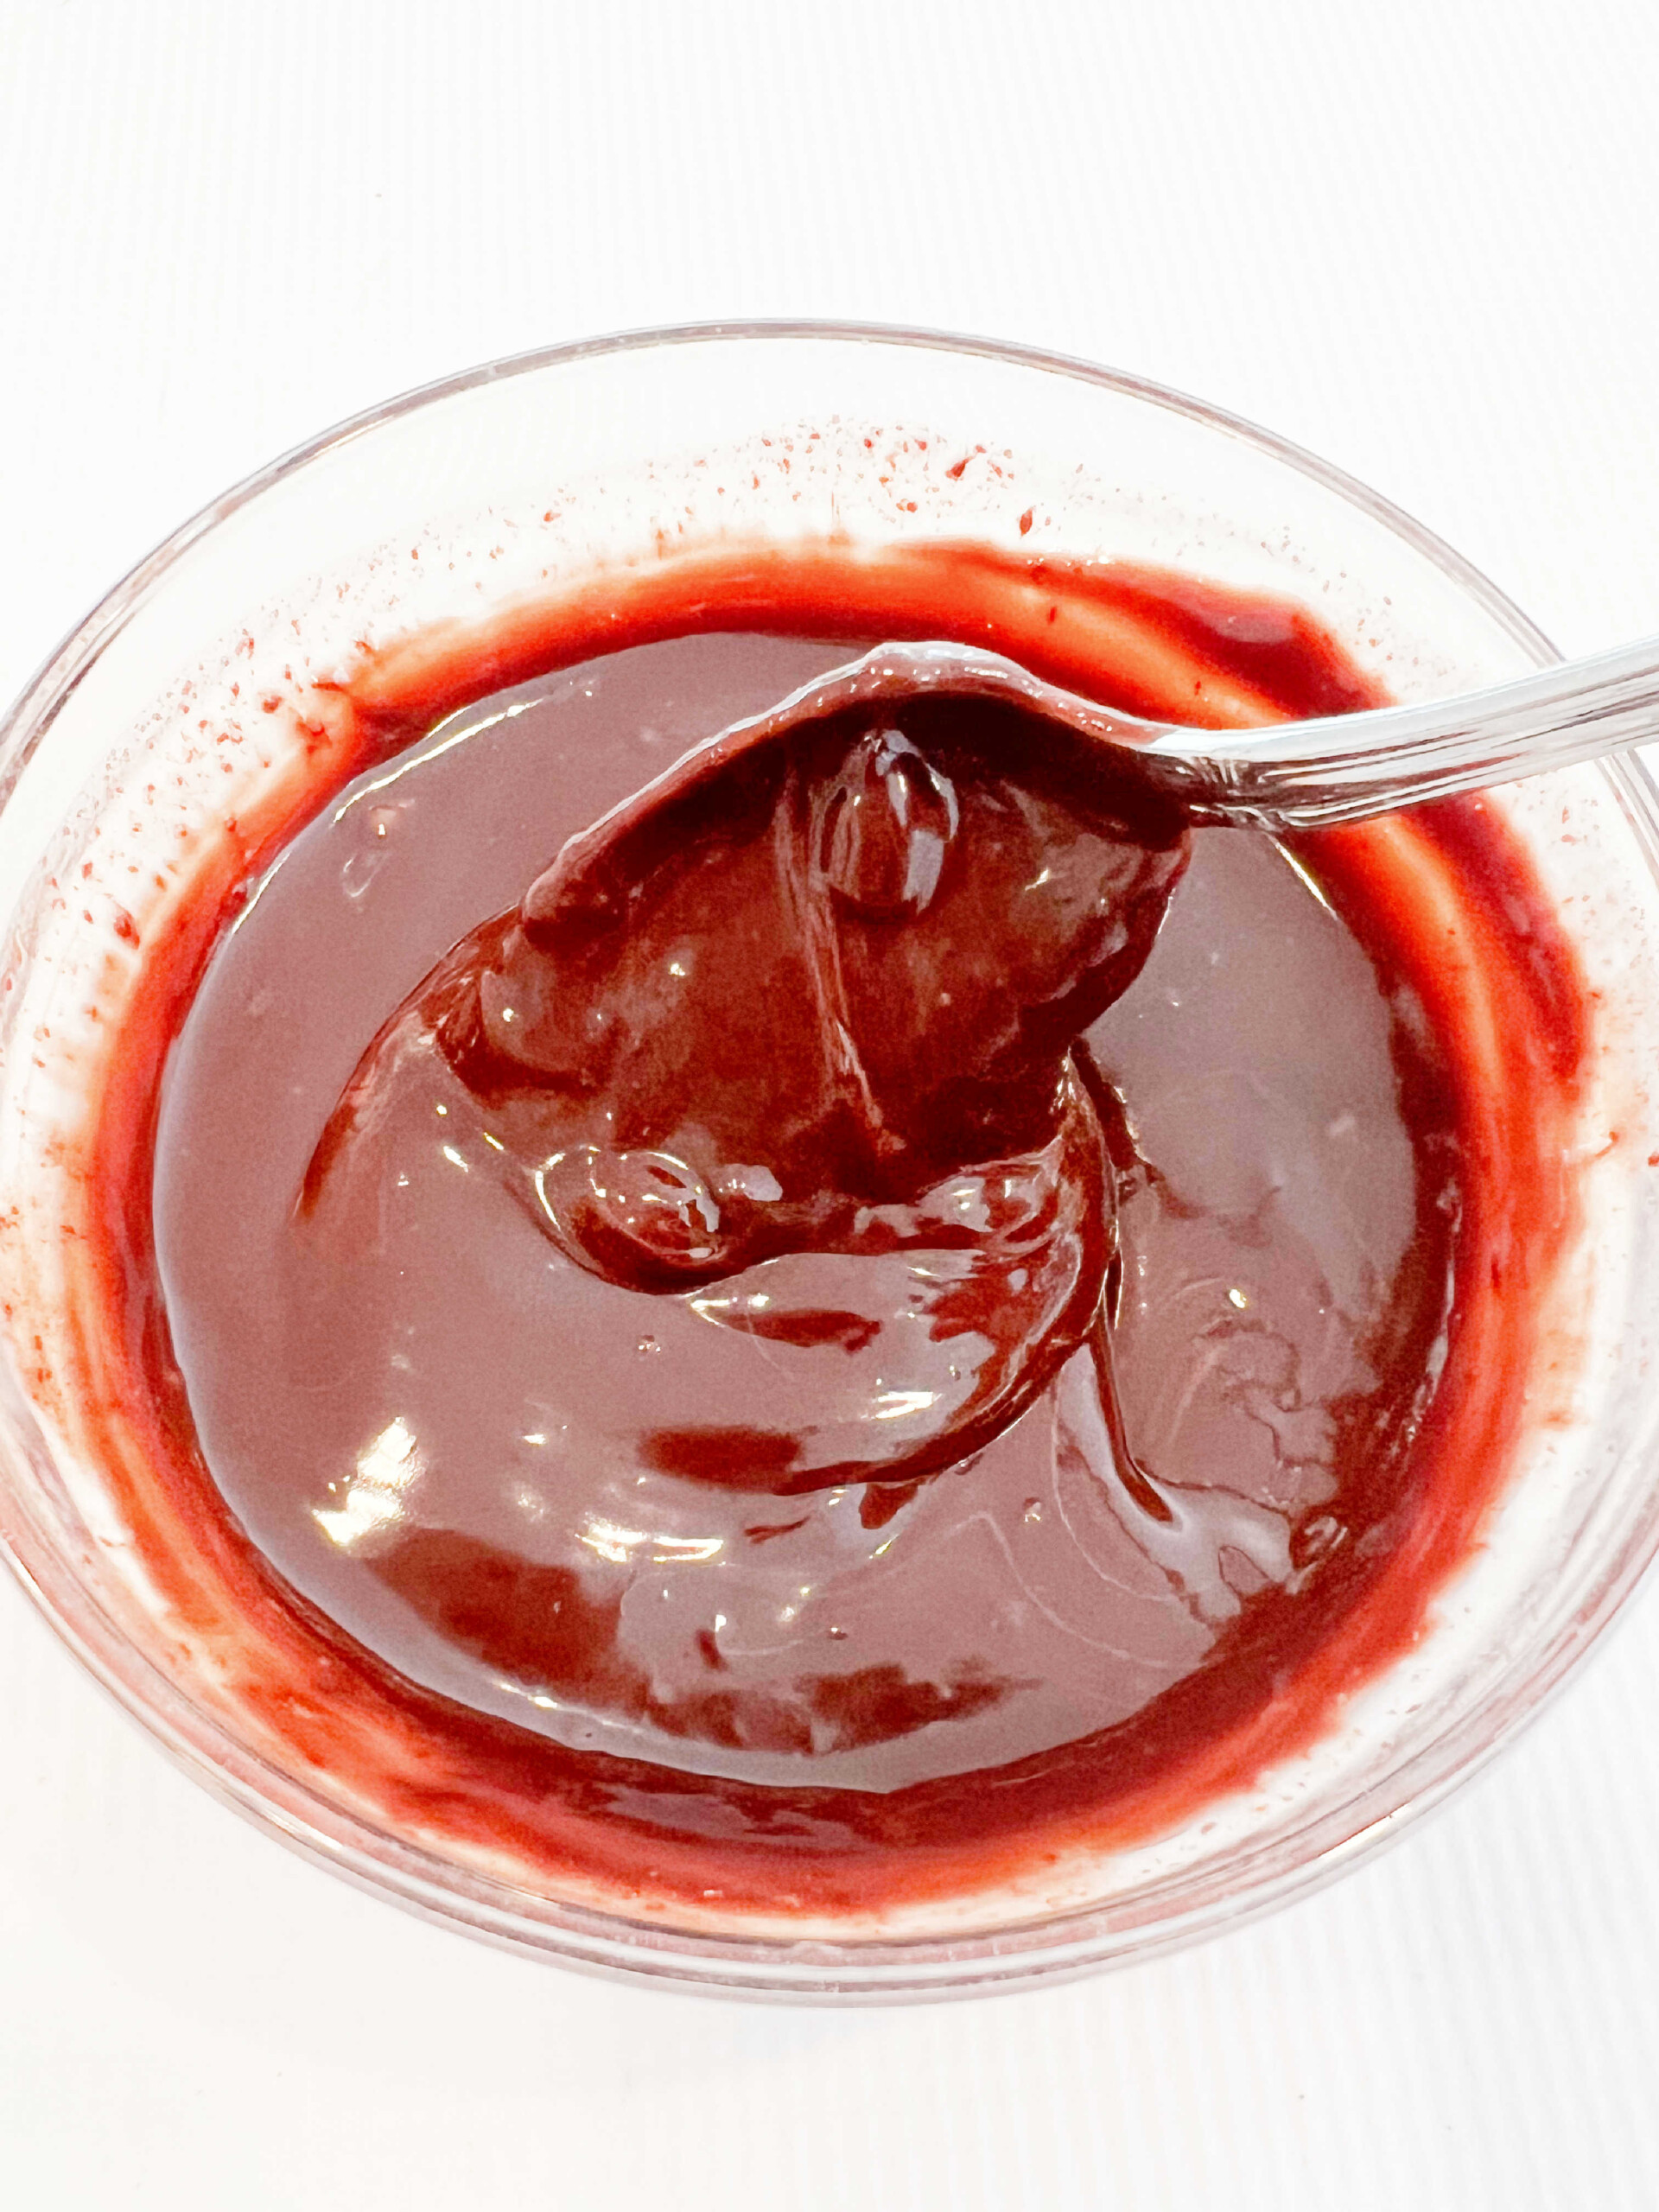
point(463, 497)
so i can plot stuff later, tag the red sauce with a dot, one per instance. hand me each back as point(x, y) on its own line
point(752, 1530)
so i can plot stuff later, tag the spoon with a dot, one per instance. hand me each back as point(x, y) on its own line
point(1293, 775)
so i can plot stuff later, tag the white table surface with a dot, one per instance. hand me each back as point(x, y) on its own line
point(1419, 238)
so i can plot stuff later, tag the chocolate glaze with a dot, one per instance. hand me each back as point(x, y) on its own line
point(489, 1418)
point(499, 1608)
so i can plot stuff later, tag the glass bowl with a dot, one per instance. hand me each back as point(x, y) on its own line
point(194, 690)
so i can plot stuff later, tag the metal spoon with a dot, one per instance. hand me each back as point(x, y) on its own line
point(1295, 775)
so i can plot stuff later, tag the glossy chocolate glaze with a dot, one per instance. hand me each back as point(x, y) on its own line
point(1412, 965)
point(679, 1335)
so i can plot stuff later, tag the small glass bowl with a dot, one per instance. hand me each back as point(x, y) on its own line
point(459, 498)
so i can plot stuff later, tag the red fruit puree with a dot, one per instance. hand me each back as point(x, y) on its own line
point(821, 1325)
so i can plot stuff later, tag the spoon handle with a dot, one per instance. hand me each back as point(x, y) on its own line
point(1342, 767)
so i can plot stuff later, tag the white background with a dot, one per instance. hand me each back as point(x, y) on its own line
point(1419, 238)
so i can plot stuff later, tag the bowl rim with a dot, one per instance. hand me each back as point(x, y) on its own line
point(1075, 1941)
